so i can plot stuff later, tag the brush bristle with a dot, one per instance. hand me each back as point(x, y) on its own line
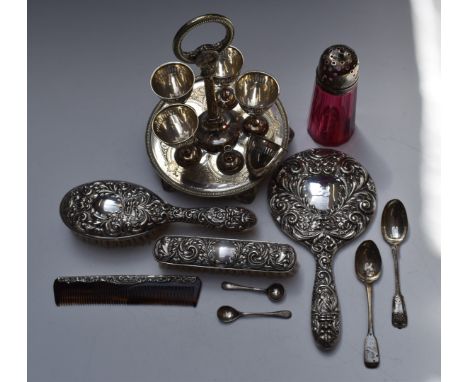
point(220, 270)
point(122, 242)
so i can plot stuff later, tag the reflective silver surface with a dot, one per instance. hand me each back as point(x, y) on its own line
point(322, 191)
point(191, 56)
point(228, 66)
point(221, 120)
point(256, 92)
point(230, 161)
point(188, 155)
point(338, 69)
point(227, 70)
point(275, 292)
point(260, 153)
point(323, 199)
point(115, 211)
point(368, 265)
point(215, 130)
point(176, 125)
point(173, 82)
point(209, 253)
point(394, 229)
point(394, 222)
point(227, 314)
point(205, 179)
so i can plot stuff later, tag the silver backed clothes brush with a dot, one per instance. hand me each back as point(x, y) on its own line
point(196, 253)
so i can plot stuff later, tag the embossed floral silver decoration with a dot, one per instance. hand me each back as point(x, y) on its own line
point(120, 210)
point(226, 254)
point(323, 199)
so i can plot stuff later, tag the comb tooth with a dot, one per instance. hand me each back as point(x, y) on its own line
point(109, 291)
point(168, 293)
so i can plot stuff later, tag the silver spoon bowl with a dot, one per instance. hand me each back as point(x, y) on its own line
point(394, 229)
point(227, 314)
point(368, 265)
point(275, 292)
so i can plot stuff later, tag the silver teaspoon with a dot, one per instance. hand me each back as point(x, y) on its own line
point(275, 292)
point(368, 265)
point(394, 229)
point(114, 212)
point(228, 314)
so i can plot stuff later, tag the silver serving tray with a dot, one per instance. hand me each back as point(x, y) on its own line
point(204, 179)
point(208, 253)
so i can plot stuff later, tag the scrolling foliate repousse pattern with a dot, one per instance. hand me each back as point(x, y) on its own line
point(225, 253)
point(130, 209)
point(116, 209)
point(227, 218)
point(323, 231)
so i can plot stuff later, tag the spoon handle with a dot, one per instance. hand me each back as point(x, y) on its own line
point(326, 323)
point(399, 315)
point(278, 314)
point(371, 351)
point(371, 346)
point(232, 286)
point(232, 219)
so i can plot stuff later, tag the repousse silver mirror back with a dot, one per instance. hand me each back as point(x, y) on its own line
point(323, 198)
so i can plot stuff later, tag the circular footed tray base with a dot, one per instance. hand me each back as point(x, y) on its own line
point(205, 179)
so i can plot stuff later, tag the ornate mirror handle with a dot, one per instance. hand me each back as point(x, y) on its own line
point(326, 322)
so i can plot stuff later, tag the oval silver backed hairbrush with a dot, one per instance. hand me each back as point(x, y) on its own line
point(116, 212)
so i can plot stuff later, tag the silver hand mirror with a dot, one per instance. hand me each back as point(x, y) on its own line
point(323, 199)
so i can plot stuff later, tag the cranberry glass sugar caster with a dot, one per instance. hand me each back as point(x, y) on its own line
point(333, 110)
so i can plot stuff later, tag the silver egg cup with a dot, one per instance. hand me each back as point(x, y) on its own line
point(256, 93)
point(208, 156)
point(227, 70)
point(176, 125)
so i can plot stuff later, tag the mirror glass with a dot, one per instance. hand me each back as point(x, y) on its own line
point(322, 191)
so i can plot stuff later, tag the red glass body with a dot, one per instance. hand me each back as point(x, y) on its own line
point(332, 116)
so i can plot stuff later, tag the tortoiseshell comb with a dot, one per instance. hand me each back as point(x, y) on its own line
point(126, 289)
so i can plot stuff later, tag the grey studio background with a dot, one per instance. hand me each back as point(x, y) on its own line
point(89, 100)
